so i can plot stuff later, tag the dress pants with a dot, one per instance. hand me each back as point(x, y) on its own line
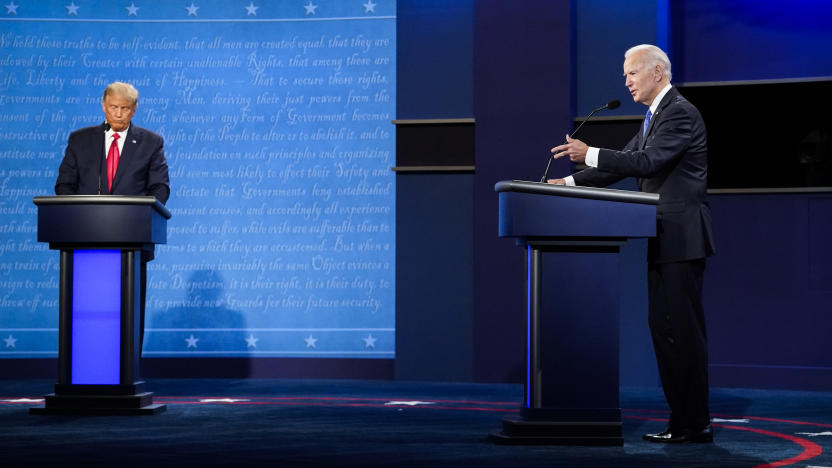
point(677, 325)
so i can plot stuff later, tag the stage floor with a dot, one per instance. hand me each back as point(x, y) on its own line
point(265, 422)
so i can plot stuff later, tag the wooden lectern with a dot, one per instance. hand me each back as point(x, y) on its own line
point(101, 240)
point(572, 238)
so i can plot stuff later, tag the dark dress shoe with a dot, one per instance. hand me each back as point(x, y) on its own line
point(669, 436)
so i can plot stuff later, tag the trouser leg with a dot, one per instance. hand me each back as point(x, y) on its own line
point(677, 326)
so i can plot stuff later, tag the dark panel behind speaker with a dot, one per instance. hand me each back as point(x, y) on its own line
point(766, 134)
point(607, 132)
point(435, 144)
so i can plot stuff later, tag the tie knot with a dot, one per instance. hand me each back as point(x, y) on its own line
point(116, 136)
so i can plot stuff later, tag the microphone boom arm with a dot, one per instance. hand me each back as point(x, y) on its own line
point(610, 105)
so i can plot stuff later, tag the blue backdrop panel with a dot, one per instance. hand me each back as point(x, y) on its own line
point(765, 285)
point(436, 74)
point(778, 39)
point(96, 316)
point(276, 117)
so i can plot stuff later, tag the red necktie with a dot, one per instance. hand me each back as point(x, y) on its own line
point(112, 162)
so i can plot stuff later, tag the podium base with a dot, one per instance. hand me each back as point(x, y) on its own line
point(143, 411)
point(123, 400)
point(519, 431)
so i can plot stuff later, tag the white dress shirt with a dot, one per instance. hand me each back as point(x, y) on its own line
point(108, 140)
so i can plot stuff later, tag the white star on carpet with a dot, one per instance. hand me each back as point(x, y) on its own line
point(409, 403)
point(310, 341)
point(310, 8)
point(815, 434)
point(72, 9)
point(132, 10)
point(251, 341)
point(192, 341)
point(251, 10)
point(369, 342)
point(221, 400)
point(24, 400)
point(370, 7)
point(10, 341)
point(192, 9)
point(11, 8)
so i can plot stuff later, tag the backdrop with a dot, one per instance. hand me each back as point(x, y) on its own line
point(276, 117)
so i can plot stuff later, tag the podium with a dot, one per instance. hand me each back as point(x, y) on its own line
point(572, 238)
point(101, 240)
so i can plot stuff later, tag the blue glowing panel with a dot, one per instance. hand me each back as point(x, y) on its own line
point(96, 316)
point(528, 327)
point(277, 124)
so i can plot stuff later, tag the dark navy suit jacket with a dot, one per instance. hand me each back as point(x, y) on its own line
point(672, 160)
point(142, 168)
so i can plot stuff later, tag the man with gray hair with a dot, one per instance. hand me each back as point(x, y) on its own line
point(668, 156)
point(116, 158)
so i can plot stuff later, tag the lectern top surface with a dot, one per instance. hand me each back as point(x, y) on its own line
point(627, 196)
point(103, 200)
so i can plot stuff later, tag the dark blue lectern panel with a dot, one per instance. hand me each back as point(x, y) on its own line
point(96, 317)
point(530, 209)
point(579, 330)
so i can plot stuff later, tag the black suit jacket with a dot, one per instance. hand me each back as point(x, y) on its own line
point(672, 160)
point(142, 168)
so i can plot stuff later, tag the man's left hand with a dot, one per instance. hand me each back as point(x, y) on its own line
point(575, 149)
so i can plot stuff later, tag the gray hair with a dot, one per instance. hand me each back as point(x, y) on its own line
point(125, 90)
point(653, 56)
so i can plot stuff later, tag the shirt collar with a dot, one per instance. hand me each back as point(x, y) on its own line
point(658, 99)
point(109, 133)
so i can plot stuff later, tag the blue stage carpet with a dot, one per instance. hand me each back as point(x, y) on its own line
point(256, 422)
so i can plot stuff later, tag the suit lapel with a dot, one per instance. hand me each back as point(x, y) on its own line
point(666, 100)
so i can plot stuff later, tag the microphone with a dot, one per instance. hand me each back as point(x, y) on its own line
point(614, 104)
point(106, 128)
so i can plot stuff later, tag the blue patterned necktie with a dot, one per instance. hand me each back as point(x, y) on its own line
point(646, 123)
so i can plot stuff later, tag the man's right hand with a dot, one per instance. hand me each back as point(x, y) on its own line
point(556, 181)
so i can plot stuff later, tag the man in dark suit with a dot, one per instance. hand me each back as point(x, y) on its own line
point(116, 158)
point(669, 157)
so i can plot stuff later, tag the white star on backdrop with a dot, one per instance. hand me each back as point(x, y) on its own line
point(815, 434)
point(310, 341)
point(192, 341)
point(370, 342)
point(132, 10)
point(251, 10)
point(251, 341)
point(192, 9)
point(310, 8)
point(370, 7)
point(72, 9)
point(11, 8)
point(10, 341)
